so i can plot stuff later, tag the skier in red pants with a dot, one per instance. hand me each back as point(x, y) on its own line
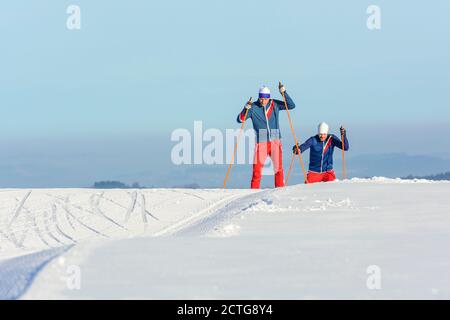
point(273, 149)
point(321, 149)
point(265, 118)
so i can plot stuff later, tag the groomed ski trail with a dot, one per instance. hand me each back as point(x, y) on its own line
point(207, 223)
point(17, 274)
point(206, 219)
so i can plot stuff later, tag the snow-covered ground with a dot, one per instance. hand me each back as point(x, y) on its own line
point(357, 239)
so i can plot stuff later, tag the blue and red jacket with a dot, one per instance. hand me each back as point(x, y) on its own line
point(321, 153)
point(266, 119)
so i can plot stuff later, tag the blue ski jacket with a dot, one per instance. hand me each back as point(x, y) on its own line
point(266, 119)
point(321, 153)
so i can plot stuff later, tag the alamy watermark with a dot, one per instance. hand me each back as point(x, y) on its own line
point(73, 279)
point(374, 279)
point(73, 22)
point(215, 146)
point(374, 20)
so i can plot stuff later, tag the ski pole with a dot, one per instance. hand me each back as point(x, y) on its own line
point(236, 146)
point(343, 157)
point(293, 134)
point(290, 169)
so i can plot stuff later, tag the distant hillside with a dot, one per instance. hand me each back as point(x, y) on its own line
point(393, 165)
point(437, 177)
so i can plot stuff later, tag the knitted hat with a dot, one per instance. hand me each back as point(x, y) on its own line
point(323, 128)
point(264, 92)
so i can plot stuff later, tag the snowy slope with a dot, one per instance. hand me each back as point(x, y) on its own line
point(303, 241)
point(37, 225)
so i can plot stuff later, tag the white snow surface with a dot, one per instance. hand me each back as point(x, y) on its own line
point(319, 241)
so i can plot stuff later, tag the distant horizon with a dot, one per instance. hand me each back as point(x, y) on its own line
point(79, 162)
point(212, 176)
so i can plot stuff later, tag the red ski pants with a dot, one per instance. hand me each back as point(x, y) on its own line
point(314, 177)
point(262, 150)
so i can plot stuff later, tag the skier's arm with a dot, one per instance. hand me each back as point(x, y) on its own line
point(338, 142)
point(241, 116)
point(290, 103)
point(303, 147)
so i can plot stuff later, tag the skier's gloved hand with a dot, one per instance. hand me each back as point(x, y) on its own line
point(295, 149)
point(281, 88)
point(343, 131)
point(248, 106)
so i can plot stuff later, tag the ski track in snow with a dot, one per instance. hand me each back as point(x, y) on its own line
point(95, 204)
point(202, 221)
point(19, 208)
point(228, 211)
point(68, 214)
point(132, 206)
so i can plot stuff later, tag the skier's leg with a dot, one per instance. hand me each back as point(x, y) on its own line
point(277, 160)
point(329, 176)
point(258, 163)
point(314, 177)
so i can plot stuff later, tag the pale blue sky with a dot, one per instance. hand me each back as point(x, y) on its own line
point(144, 68)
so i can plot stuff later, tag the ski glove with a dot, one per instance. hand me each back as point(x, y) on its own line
point(248, 106)
point(281, 88)
point(343, 131)
point(295, 149)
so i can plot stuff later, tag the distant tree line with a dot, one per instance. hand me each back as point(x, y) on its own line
point(135, 185)
point(188, 186)
point(116, 185)
point(436, 177)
